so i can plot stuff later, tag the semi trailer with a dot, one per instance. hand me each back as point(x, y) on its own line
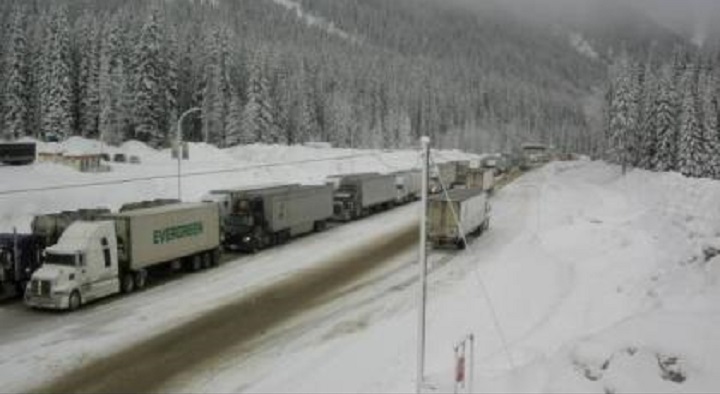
point(468, 206)
point(271, 216)
point(20, 256)
point(360, 195)
point(114, 254)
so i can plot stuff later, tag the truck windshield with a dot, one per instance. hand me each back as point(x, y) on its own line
point(60, 259)
point(238, 220)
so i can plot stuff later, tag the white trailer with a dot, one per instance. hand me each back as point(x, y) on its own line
point(409, 185)
point(470, 206)
point(95, 259)
point(360, 195)
point(272, 216)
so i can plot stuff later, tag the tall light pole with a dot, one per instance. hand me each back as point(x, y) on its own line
point(178, 148)
point(425, 141)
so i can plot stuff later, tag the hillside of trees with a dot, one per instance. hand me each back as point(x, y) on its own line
point(259, 72)
point(664, 115)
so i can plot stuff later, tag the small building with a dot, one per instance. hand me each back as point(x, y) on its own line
point(83, 160)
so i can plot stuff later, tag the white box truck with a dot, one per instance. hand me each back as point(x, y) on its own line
point(470, 206)
point(360, 195)
point(95, 259)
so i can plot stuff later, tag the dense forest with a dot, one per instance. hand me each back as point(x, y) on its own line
point(375, 73)
point(356, 73)
point(664, 114)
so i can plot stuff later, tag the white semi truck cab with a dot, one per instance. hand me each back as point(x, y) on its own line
point(82, 266)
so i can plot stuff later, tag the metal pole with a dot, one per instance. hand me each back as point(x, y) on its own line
point(178, 148)
point(425, 141)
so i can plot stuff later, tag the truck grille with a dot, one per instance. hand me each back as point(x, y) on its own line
point(40, 288)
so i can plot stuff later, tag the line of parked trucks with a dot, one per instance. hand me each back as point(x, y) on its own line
point(74, 257)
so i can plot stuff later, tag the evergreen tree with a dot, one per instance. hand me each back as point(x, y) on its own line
point(16, 88)
point(216, 94)
point(56, 93)
point(233, 126)
point(149, 89)
point(114, 101)
point(622, 112)
point(666, 122)
point(257, 116)
point(692, 152)
point(88, 77)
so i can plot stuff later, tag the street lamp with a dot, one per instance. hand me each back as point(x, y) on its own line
point(178, 148)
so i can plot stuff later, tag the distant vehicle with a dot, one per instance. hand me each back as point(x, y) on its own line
point(134, 159)
point(470, 206)
point(498, 162)
point(443, 174)
point(480, 178)
point(96, 259)
point(272, 216)
point(20, 256)
point(409, 186)
point(534, 155)
point(105, 156)
point(17, 153)
point(120, 158)
point(228, 202)
point(360, 195)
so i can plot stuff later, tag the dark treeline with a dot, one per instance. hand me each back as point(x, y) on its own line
point(383, 73)
point(664, 115)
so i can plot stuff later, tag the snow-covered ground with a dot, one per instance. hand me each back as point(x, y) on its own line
point(600, 283)
point(586, 282)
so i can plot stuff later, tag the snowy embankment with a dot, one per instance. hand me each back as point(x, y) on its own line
point(600, 283)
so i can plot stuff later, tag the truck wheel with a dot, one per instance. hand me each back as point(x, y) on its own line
point(215, 260)
point(74, 301)
point(20, 287)
point(140, 279)
point(461, 244)
point(206, 260)
point(128, 284)
point(195, 263)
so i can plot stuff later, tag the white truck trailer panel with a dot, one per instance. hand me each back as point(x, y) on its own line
point(377, 190)
point(147, 237)
point(470, 206)
point(303, 205)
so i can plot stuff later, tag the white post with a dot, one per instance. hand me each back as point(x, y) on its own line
point(425, 141)
point(472, 363)
point(178, 148)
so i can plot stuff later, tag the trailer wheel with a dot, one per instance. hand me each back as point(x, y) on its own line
point(206, 260)
point(461, 244)
point(140, 279)
point(215, 257)
point(74, 301)
point(128, 284)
